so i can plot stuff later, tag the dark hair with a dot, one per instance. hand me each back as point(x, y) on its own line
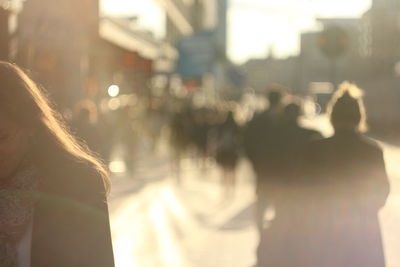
point(23, 101)
point(346, 108)
point(292, 111)
point(274, 94)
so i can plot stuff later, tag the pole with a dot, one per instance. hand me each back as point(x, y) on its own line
point(333, 72)
point(4, 34)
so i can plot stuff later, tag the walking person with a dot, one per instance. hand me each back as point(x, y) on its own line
point(228, 151)
point(261, 143)
point(342, 188)
point(282, 190)
point(53, 207)
point(180, 138)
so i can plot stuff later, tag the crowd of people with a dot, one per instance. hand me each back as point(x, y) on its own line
point(326, 192)
point(206, 133)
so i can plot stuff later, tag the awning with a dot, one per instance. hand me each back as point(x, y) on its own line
point(122, 35)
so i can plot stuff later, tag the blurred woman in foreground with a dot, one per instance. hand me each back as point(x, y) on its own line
point(53, 209)
point(339, 196)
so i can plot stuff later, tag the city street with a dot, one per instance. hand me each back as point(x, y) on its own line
point(167, 98)
point(155, 222)
point(164, 224)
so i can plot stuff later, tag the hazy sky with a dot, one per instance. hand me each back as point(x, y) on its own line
point(151, 15)
point(254, 25)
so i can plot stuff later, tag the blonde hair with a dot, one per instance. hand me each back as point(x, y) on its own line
point(346, 108)
point(24, 102)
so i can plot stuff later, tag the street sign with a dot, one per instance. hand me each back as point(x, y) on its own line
point(333, 42)
point(196, 54)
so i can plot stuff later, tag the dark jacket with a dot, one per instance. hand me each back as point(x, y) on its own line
point(351, 160)
point(71, 222)
point(332, 217)
point(260, 143)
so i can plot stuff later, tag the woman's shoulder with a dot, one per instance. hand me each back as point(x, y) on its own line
point(357, 145)
point(370, 147)
point(74, 178)
point(370, 142)
point(351, 139)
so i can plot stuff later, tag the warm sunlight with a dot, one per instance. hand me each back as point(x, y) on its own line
point(149, 14)
point(281, 21)
point(211, 133)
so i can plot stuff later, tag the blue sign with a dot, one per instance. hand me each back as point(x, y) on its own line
point(197, 54)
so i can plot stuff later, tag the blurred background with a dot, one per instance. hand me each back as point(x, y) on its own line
point(147, 83)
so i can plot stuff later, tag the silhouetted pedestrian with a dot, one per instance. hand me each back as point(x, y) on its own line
point(200, 133)
point(180, 137)
point(341, 191)
point(228, 150)
point(261, 143)
point(293, 141)
point(282, 189)
point(127, 136)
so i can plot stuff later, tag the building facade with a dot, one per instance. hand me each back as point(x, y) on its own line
point(382, 25)
point(350, 65)
point(57, 44)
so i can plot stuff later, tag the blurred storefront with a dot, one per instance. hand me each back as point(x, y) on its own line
point(57, 44)
point(130, 57)
point(76, 54)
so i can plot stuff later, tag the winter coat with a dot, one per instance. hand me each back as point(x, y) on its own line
point(71, 222)
point(329, 215)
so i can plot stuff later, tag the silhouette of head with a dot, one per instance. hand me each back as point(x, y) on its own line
point(347, 111)
point(229, 116)
point(274, 98)
point(292, 112)
point(274, 94)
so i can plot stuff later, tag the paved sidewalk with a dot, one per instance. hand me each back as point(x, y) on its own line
point(156, 223)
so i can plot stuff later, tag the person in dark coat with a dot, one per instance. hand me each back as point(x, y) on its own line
point(293, 141)
point(228, 150)
point(53, 209)
point(343, 186)
point(180, 137)
point(200, 132)
point(260, 143)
